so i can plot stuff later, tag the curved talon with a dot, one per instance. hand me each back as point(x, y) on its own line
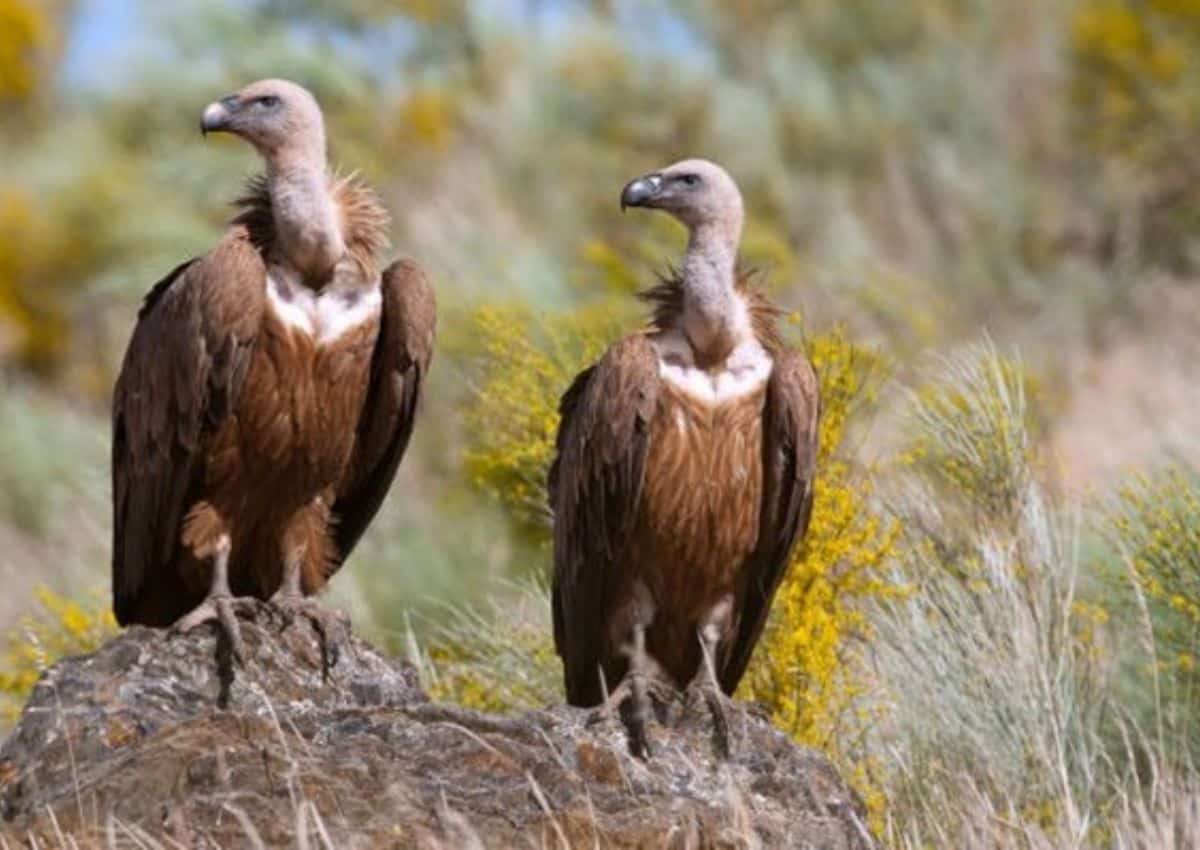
point(630, 706)
point(637, 698)
point(329, 625)
point(718, 707)
point(638, 715)
point(611, 707)
point(221, 610)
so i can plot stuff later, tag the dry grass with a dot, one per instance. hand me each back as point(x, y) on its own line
point(1005, 672)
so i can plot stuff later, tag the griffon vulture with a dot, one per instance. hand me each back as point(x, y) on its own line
point(684, 473)
point(269, 389)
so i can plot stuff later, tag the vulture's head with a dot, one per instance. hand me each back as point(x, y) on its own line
point(273, 115)
point(695, 191)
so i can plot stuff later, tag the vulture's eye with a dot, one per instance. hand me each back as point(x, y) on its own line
point(270, 101)
point(691, 179)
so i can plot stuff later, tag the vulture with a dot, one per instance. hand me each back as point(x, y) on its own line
point(683, 474)
point(268, 391)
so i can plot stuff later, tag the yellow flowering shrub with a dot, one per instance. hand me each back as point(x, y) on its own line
point(799, 672)
point(1156, 524)
point(524, 361)
point(39, 277)
point(430, 11)
point(42, 332)
point(602, 260)
point(1134, 65)
point(428, 118)
point(1134, 74)
point(60, 627)
point(26, 33)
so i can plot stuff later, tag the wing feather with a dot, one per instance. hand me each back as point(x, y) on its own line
point(595, 488)
point(399, 366)
point(181, 375)
point(790, 418)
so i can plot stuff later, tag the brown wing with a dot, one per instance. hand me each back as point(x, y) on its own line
point(595, 487)
point(790, 417)
point(399, 365)
point(180, 378)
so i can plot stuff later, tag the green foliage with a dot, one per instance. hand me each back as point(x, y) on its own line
point(54, 471)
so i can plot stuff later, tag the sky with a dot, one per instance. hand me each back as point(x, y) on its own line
point(104, 32)
point(101, 29)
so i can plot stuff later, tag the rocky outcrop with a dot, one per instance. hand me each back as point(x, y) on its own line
point(147, 741)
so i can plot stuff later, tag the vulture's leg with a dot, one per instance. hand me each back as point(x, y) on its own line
point(218, 605)
point(640, 710)
point(631, 700)
point(290, 601)
point(289, 588)
point(706, 684)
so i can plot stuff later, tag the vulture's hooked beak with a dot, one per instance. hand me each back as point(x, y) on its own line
point(639, 192)
point(218, 114)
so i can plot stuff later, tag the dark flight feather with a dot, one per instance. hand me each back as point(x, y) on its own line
point(183, 369)
point(595, 485)
point(400, 364)
point(789, 448)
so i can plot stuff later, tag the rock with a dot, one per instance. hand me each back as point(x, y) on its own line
point(146, 740)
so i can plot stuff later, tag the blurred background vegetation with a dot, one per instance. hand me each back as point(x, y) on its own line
point(985, 217)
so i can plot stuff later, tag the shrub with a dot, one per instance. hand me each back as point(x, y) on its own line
point(523, 362)
point(26, 33)
point(799, 671)
point(1133, 82)
point(1154, 523)
point(1133, 65)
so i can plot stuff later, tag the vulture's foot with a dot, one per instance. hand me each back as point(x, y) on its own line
point(633, 704)
point(221, 609)
point(332, 626)
point(636, 699)
point(720, 709)
point(638, 715)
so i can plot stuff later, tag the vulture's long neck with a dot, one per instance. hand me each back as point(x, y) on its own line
point(308, 225)
point(709, 301)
